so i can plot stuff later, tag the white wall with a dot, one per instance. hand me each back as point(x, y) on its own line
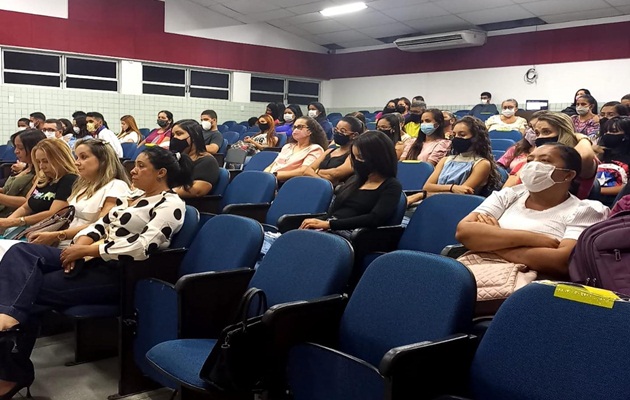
point(49, 8)
point(607, 80)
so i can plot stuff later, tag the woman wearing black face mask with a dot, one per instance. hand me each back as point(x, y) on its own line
point(613, 151)
point(162, 135)
point(469, 169)
point(370, 196)
point(187, 138)
point(267, 136)
point(334, 165)
point(389, 108)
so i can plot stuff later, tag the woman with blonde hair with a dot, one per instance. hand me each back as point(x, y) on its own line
point(129, 132)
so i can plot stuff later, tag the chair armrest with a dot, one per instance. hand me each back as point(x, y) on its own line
point(454, 250)
point(5, 169)
point(257, 211)
point(289, 222)
point(429, 368)
point(276, 149)
point(208, 204)
point(208, 301)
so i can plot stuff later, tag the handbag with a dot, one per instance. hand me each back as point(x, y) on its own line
point(237, 360)
point(58, 221)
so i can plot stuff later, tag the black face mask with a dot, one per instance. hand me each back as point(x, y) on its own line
point(461, 145)
point(389, 133)
point(389, 110)
point(414, 118)
point(611, 141)
point(178, 145)
point(401, 109)
point(161, 123)
point(361, 168)
point(341, 139)
point(540, 141)
point(263, 127)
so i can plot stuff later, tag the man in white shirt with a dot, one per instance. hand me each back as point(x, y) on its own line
point(98, 130)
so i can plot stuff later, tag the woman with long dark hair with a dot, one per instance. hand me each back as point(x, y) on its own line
point(430, 145)
point(317, 111)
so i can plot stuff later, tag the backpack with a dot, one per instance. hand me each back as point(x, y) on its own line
point(601, 257)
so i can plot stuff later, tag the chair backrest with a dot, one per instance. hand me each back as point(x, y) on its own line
point(501, 144)
point(230, 123)
point(497, 154)
point(223, 243)
point(235, 156)
point(282, 139)
point(303, 265)
point(231, 136)
point(223, 128)
point(260, 161)
point(371, 125)
point(412, 175)
point(300, 195)
point(253, 129)
point(250, 187)
point(406, 297)
point(433, 224)
point(186, 234)
point(139, 150)
point(3, 148)
point(542, 346)
point(129, 149)
point(222, 184)
point(9, 154)
point(460, 113)
point(145, 132)
point(238, 128)
point(224, 146)
point(512, 135)
point(399, 213)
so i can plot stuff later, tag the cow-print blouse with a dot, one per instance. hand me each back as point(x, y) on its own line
point(137, 231)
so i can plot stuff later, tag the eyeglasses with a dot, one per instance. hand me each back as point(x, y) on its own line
point(300, 127)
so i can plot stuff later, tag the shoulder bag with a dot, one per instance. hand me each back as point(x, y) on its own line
point(58, 221)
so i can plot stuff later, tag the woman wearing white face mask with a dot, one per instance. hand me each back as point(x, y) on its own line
point(507, 120)
point(317, 111)
point(291, 113)
point(536, 223)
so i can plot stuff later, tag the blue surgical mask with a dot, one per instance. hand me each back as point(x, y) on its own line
point(427, 128)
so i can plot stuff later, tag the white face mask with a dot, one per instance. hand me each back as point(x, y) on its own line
point(485, 101)
point(50, 135)
point(76, 129)
point(312, 113)
point(21, 128)
point(32, 125)
point(206, 125)
point(536, 176)
point(582, 110)
point(507, 112)
point(288, 117)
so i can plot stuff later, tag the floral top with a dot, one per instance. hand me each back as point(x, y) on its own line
point(589, 127)
point(135, 232)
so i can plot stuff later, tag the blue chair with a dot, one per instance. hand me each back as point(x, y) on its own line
point(230, 124)
point(223, 128)
point(253, 129)
point(501, 144)
point(512, 135)
point(224, 146)
point(238, 128)
point(145, 132)
point(224, 243)
point(371, 126)
point(210, 202)
point(460, 113)
point(485, 116)
point(260, 161)
point(231, 137)
point(129, 150)
point(249, 187)
point(398, 304)
point(323, 270)
point(526, 352)
point(8, 155)
point(337, 115)
point(497, 154)
point(413, 174)
point(282, 139)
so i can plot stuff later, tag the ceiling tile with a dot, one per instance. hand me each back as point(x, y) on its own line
point(387, 4)
point(246, 7)
point(306, 18)
point(323, 27)
point(364, 19)
point(282, 14)
point(439, 24)
point(499, 14)
point(580, 15)
point(204, 3)
point(624, 9)
point(549, 7)
point(621, 3)
point(407, 13)
point(312, 7)
point(461, 6)
point(361, 43)
point(387, 30)
point(343, 36)
point(223, 10)
point(298, 31)
point(289, 3)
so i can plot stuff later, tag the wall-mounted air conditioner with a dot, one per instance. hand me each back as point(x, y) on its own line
point(448, 40)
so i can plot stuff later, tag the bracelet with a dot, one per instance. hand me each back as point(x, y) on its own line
point(451, 188)
point(22, 221)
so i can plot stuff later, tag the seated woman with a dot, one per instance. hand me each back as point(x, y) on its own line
point(369, 198)
point(134, 229)
point(334, 165)
point(129, 132)
point(586, 121)
point(267, 136)
point(160, 136)
point(18, 185)
point(291, 113)
point(307, 144)
point(536, 223)
point(430, 145)
point(392, 125)
point(55, 173)
point(557, 127)
point(469, 169)
point(317, 111)
point(507, 120)
point(187, 138)
point(517, 154)
point(614, 153)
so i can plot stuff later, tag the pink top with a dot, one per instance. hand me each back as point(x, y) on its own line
point(431, 152)
point(589, 127)
point(509, 161)
point(290, 158)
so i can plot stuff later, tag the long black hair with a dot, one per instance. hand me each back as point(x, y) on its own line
point(394, 122)
point(29, 138)
point(320, 107)
point(178, 166)
point(195, 131)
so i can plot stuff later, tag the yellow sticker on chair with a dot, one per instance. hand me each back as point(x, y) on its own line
point(586, 294)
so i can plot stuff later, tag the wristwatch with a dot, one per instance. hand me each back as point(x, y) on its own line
point(62, 235)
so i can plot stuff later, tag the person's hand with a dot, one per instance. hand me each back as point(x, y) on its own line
point(546, 241)
point(314, 223)
point(487, 219)
point(68, 267)
point(47, 238)
point(73, 253)
point(247, 139)
point(462, 189)
point(18, 167)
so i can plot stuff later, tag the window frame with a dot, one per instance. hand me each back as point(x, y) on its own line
point(187, 85)
point(286, 94)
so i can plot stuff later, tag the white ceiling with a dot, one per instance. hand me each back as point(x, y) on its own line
point(389, 19)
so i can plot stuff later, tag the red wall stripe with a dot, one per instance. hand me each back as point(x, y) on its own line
point(135, 30)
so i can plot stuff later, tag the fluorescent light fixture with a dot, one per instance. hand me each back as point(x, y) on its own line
point(345, 9)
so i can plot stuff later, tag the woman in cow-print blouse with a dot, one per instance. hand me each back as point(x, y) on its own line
point(133, 229)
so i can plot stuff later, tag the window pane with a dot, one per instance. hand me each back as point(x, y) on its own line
point(266, 97)
point(309, 88)
point(164, 75)
point(209, 93)
point(165, 90)
point(80, 83)
point(31, 62)
point(27, 79)
point(302, 100)
point(103, 69)
point(267, 85)
point(198, 78)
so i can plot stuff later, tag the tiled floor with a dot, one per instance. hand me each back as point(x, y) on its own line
point(91, 381)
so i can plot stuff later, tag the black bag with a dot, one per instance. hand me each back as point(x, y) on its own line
point(237, 361)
